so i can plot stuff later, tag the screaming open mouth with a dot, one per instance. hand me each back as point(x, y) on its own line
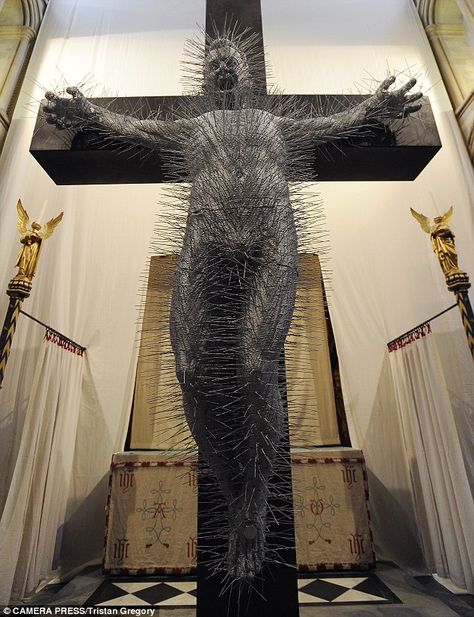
point(226, 83)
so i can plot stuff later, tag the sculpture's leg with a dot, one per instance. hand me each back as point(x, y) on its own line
point(196, 344)
point(264, 326)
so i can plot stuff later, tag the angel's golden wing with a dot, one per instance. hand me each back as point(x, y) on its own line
point(23, 218)
point(447, 216)
point(49, 227)
point(423, 220)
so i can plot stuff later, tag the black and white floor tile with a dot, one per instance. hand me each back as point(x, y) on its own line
point(344, 589)
point(337, 588)
point(144, 593)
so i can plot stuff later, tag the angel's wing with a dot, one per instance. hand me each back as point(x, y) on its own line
point(447, 216)
point(423, 220)
point(49, 227)
point(23, 218)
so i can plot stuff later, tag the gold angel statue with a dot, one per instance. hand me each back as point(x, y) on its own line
point(31, 240)
point(442, 239)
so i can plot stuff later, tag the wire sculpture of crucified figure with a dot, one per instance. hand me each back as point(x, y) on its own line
point(235, 283)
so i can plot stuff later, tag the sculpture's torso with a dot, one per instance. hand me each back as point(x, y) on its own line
point(237, 161)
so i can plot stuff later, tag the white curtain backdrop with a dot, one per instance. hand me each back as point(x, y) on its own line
point(384, 277)
point(92, 269)
point(35, 508)
point(437, 469)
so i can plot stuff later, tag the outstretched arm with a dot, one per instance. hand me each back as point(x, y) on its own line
point(79, 112)
point(382, 107)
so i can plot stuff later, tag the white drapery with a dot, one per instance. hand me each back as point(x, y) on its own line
point(431, 436)
point(384, 277)
point(35, 508)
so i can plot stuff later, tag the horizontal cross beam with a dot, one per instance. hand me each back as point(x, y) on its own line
point(72, 157)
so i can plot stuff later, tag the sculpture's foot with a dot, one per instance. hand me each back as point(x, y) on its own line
point(246, 550)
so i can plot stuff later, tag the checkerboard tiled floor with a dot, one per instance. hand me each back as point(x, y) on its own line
point(341, 589)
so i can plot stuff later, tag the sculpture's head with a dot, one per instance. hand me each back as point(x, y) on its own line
point(35, 226)
point(226, 71)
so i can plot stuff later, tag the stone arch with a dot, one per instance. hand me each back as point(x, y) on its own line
point(449, 26)
point(426, 10)
point(19, 23)
point(33, 13)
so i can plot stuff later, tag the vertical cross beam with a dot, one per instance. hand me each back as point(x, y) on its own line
point(274, 592)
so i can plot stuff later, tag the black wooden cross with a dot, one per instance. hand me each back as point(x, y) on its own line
point(74, 160)
point(70, 158)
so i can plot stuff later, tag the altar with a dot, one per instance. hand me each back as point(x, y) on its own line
point(152, 512)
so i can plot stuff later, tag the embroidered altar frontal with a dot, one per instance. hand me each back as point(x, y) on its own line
point(152, 512)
